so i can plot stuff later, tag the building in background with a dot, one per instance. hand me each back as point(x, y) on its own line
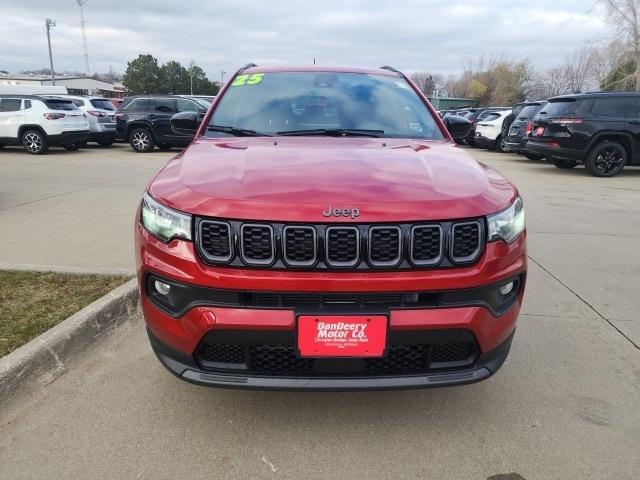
point(449, 103)
point(74, 85)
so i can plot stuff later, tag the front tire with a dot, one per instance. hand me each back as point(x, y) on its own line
point(606, 159)
point(35, 142)
point(141, 140)
point(501, 144)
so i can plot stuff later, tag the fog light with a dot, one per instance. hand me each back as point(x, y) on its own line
point(162, 288)
point(504, 289)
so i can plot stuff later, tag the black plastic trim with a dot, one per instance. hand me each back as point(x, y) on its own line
point(183, 297)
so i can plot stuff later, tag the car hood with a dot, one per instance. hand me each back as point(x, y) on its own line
point(298, 178)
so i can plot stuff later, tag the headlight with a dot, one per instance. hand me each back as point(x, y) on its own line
point(164, 223)
point(508, 224)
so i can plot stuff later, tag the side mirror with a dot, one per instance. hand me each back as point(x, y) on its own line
point(459, 127)
point(186, 123)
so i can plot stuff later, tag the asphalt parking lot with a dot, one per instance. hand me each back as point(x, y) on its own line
point(564, 406)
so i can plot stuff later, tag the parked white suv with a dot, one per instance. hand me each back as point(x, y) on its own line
point(489, 131)
point(37, 123)
point(101, 116)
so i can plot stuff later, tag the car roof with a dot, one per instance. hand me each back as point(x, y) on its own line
point(320, 69)
point(578, 96)
point(22, 96)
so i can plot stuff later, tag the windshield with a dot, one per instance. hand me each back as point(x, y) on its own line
point(102, 103)
point(272, 103)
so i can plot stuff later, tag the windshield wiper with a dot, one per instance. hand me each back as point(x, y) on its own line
point(238, 132)
point(333, 132)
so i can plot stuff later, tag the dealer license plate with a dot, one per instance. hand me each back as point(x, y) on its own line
point(342, 335)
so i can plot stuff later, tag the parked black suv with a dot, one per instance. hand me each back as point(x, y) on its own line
point(601, 130)
point(521, 127)
point(145, 121)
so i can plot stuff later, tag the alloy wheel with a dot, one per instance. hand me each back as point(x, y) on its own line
point(33, 142)
point(608, 160)
point(141, 140)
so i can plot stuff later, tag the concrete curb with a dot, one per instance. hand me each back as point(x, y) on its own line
point(43, 359)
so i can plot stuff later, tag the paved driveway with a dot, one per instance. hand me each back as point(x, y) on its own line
point(72, 210)
point(564, 406)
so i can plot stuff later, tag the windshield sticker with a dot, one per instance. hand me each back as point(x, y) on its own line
point(241, 80)
point(415, 126)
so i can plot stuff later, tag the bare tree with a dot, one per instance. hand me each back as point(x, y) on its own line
point(604, 59)
point(624, 17)
point(429, 83)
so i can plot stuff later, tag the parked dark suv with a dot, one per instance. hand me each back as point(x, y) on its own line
point(601, 130)
point(145, 121)
point(521, 127)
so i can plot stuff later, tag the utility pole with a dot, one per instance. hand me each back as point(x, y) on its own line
point(191, 74)
point(84, 35)
point(222, 78)
point(48, 23)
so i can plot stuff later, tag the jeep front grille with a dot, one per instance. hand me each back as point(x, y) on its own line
point(352, 247)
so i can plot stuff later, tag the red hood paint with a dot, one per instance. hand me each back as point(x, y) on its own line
point(295, 179)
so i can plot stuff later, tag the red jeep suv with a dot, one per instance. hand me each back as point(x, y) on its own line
point(324, 232)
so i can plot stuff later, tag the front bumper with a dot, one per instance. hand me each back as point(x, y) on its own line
point(177, 334)
point(186, 368)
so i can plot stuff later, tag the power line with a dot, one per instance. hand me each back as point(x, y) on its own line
point(119, 62)
point(2, 29)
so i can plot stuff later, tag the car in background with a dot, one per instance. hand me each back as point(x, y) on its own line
point(145, 121)
point(101, 117)
point(521, 127)
point(116, 102)
point(489, 131)
point(38, 122)
point(600, 130)
point(474, 116)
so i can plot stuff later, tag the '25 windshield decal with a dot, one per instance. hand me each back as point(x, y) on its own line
point(241, 80)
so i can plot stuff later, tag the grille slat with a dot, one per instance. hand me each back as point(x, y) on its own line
point(385, 246)
point(426, 244)
point(466, 241)
point(216, 240)
point(343, 249)
point(300, 245)
point(358, 247)
point(257, 244)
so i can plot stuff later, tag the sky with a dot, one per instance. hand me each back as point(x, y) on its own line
point(411, 35)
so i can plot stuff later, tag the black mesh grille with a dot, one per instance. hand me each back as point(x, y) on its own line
point(257, 243)
point(401, 359)
point(220, 353)
point(466, 240)
point(451, 352)
point(278, 360)
point(300, 245)
point(384, 245)
point(426, 243)
point(342, 246)
point(215, 239)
